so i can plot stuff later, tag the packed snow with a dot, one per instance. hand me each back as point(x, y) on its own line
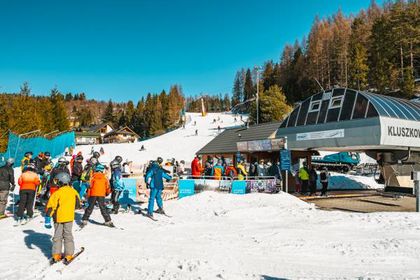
point(223, 236)
point(181, 144)
point(215, 235)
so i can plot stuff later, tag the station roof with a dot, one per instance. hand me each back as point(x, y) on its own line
point(226, 142)
point(351, 119)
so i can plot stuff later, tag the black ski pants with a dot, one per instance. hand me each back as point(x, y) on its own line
point(115, 196)
point(26, 202)
point(101, 203)
point(324, 188)
point(305, 186)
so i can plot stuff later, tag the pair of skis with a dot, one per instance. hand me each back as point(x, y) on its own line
point(151, 217)
point(65, 261)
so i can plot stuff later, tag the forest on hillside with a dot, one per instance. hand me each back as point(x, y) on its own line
point(23, 112)
point(377, 50)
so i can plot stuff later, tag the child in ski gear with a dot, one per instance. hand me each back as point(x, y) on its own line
point(61, 207)
point(261, 169)
point(26, 160)
point(218, 170)
point(7, 182)
point(230, 170)
point(28, 183)
point(313, 177)
point(117, 184)
point(196, 167)
point(324, 177)
point(154, 177)
point(61, 166)
point(98, 190)
point(241, 170)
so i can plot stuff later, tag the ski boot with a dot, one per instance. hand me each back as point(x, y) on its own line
point(109, 224)
point(68, 259)
point(160, 211)
point(84, 223)
point(55, 258)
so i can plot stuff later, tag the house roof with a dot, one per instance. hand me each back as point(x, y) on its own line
point(96, 128)
point(226, 142)
point(88, 134)
point(122, 130)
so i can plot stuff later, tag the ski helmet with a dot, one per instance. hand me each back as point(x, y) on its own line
point(62, 179)
point(96, 155)
point(47, 154)
point(114, 164)
point(99, 168)
point(93, 161)
point(10, 161)
point(27, 154)
point(119, 159)
point(62, 161)
point(159, 160)
point(79, 158)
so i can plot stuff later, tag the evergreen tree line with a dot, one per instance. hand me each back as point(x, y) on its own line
point(152, 116)
point(21, 113)
point(217, 103)
point(377, 50)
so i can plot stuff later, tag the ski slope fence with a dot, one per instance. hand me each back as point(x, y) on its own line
point(18, 146)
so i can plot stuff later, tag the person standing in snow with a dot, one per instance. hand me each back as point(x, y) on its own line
point(154, 179)
point(28, 182)
point(230, 170)
point(76, 173)
point(324, 177)
point(196, 167)
point(61, 207)
point(304, 178)
point(241, 170)
point(7, 182)
point(313, 178)
point(98, 190)
point(218, 170)
point(61, 166)
point(117, 184)
point(208, 169)
point(27, 159)
point(261, 169)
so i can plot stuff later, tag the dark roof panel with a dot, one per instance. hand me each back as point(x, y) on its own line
point(226, 141)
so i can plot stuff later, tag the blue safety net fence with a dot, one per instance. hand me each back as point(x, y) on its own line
point(18, 146)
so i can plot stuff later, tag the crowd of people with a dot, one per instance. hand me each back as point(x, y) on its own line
point(306, 180)
point(226, 168)
point(79, 183)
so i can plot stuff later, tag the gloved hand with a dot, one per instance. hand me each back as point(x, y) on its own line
point(12, 188)
point(47, 222)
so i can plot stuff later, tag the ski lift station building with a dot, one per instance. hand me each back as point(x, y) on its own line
point(385, 128)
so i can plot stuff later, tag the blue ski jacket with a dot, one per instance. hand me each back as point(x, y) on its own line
point(117, 182)
point(155, 177)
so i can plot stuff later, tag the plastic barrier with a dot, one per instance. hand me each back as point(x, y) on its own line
point(129, 196)
point(17, 146)
point(191, 186)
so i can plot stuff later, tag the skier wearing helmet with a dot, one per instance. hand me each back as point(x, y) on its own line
point(28, 183)
point(61, 207)
point(98, 190)
point(117, 184)
point(61, 166)
point(154, 179)
point(26, 160)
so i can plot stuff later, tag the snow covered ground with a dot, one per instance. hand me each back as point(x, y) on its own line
point(222, 236)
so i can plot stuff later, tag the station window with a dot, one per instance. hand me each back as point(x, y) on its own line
point(303, 112)
point(336, 102)
point(348, 105)
point(323, 112)
point(371, 111)
point(293, 117)
point(315, 106)
point(333, 115)
point(360, 107)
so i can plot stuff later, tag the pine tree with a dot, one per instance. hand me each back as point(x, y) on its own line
point(59, 112)
point(249, 91)
point(108, 115)
point(273, 106)
point(237, 91)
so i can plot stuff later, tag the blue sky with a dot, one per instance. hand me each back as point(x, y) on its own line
point(125, 49)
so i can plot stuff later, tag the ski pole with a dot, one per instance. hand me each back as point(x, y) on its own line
point(13, 205)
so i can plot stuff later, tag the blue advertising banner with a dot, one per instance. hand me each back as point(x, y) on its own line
point(285, 159)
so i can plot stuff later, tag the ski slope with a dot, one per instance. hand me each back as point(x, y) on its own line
point(181, 144)
point(223, 236)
